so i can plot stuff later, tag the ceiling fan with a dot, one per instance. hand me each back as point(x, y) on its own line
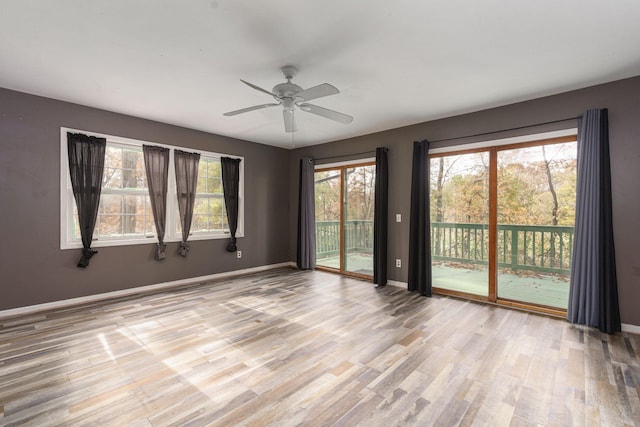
point(290, 96)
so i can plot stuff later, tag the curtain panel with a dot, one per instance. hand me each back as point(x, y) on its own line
point(186, 165)
point(306, 245)
point(156, 164)
point(381, 218)
point(231, 187)
point(593, 291)
point(419, 237)
point(86, 167)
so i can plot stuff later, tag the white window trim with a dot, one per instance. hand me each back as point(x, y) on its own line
point(505, 141)
point(171, 235)
point(345, 163)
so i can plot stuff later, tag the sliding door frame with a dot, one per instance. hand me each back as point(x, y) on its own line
point(342, 168)
point(493, 225)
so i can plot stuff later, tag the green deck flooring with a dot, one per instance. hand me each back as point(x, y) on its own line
point(530, 288)
point(539, 289)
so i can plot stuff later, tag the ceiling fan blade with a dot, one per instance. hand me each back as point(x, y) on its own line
point(246, 110)
point(289, 121)
point(325, 89)
point(251, 85)
point(325, 112)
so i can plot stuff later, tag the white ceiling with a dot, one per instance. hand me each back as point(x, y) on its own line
point(396, 62)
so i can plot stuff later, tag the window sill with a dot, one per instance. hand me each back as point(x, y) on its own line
point(145, 241)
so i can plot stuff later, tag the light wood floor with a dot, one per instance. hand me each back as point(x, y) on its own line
point(288, 348)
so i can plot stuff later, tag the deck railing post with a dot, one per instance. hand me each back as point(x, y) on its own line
point(514, 248)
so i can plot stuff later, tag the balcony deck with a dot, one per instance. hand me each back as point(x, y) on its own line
point(542, 289)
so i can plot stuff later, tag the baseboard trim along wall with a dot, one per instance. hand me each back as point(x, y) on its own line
point(632, 329)
point(397, 283)
point(138, 290)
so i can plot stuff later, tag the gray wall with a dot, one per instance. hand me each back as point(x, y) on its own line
point(622, 98)
point(34, 270)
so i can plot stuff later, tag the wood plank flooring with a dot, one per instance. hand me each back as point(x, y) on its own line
point(289, 348)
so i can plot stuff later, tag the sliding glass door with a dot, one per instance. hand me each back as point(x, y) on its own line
point(502, 222)
point(535, 215)
point(344, 218)
point(328, 184)
point(459, 197)
point(359, 191)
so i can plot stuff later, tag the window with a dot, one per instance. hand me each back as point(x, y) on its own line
point(124, 214)
point(344, 207)
point(209, 213)
point(502, 221)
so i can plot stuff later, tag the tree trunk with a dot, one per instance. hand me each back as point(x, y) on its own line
point(129, 180)
point(554, 210)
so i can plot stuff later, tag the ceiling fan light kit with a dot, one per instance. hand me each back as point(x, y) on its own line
point(290, 95)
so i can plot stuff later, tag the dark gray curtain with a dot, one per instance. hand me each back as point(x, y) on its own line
point(186, 165)
point(156, 164)
point(380, 218)
point(231, 186)
point(419, 236)
point(306, 248)
point(593, 292)
point(86, 166)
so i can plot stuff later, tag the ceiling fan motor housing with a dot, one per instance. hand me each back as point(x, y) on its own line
point(286, 90)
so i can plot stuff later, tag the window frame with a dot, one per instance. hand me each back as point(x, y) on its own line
point(67, 201)
point(493, 147)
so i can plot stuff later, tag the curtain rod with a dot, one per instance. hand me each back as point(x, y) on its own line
point(504, 130)
point(348, 155)
point(461, 137)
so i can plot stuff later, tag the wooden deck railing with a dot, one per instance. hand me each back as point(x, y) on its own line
point(358, 238)
point(543, 248)
point(520, 247)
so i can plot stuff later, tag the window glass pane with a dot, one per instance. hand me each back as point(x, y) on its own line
point(214, 183)
point(459, 208)
point(129, 224)
point(215, 168)
point(200, 206)
point(110, 204)
point(112, 178)
point(132, 169)
point(536, 209)
point(110, 226)
point(216, 206)
point(140, 224)
point(199, 223)
point(113, 157)
point(202, 177)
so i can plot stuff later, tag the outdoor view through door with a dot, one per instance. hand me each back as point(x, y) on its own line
point(502, 222)
point(344, 218)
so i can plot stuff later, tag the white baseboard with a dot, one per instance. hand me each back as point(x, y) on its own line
point(139, 290)
point(632, 329)
point(397, 283)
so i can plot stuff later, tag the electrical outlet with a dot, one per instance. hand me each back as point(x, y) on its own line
point(398, 263)
point(398, 218)
point(239, 254)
